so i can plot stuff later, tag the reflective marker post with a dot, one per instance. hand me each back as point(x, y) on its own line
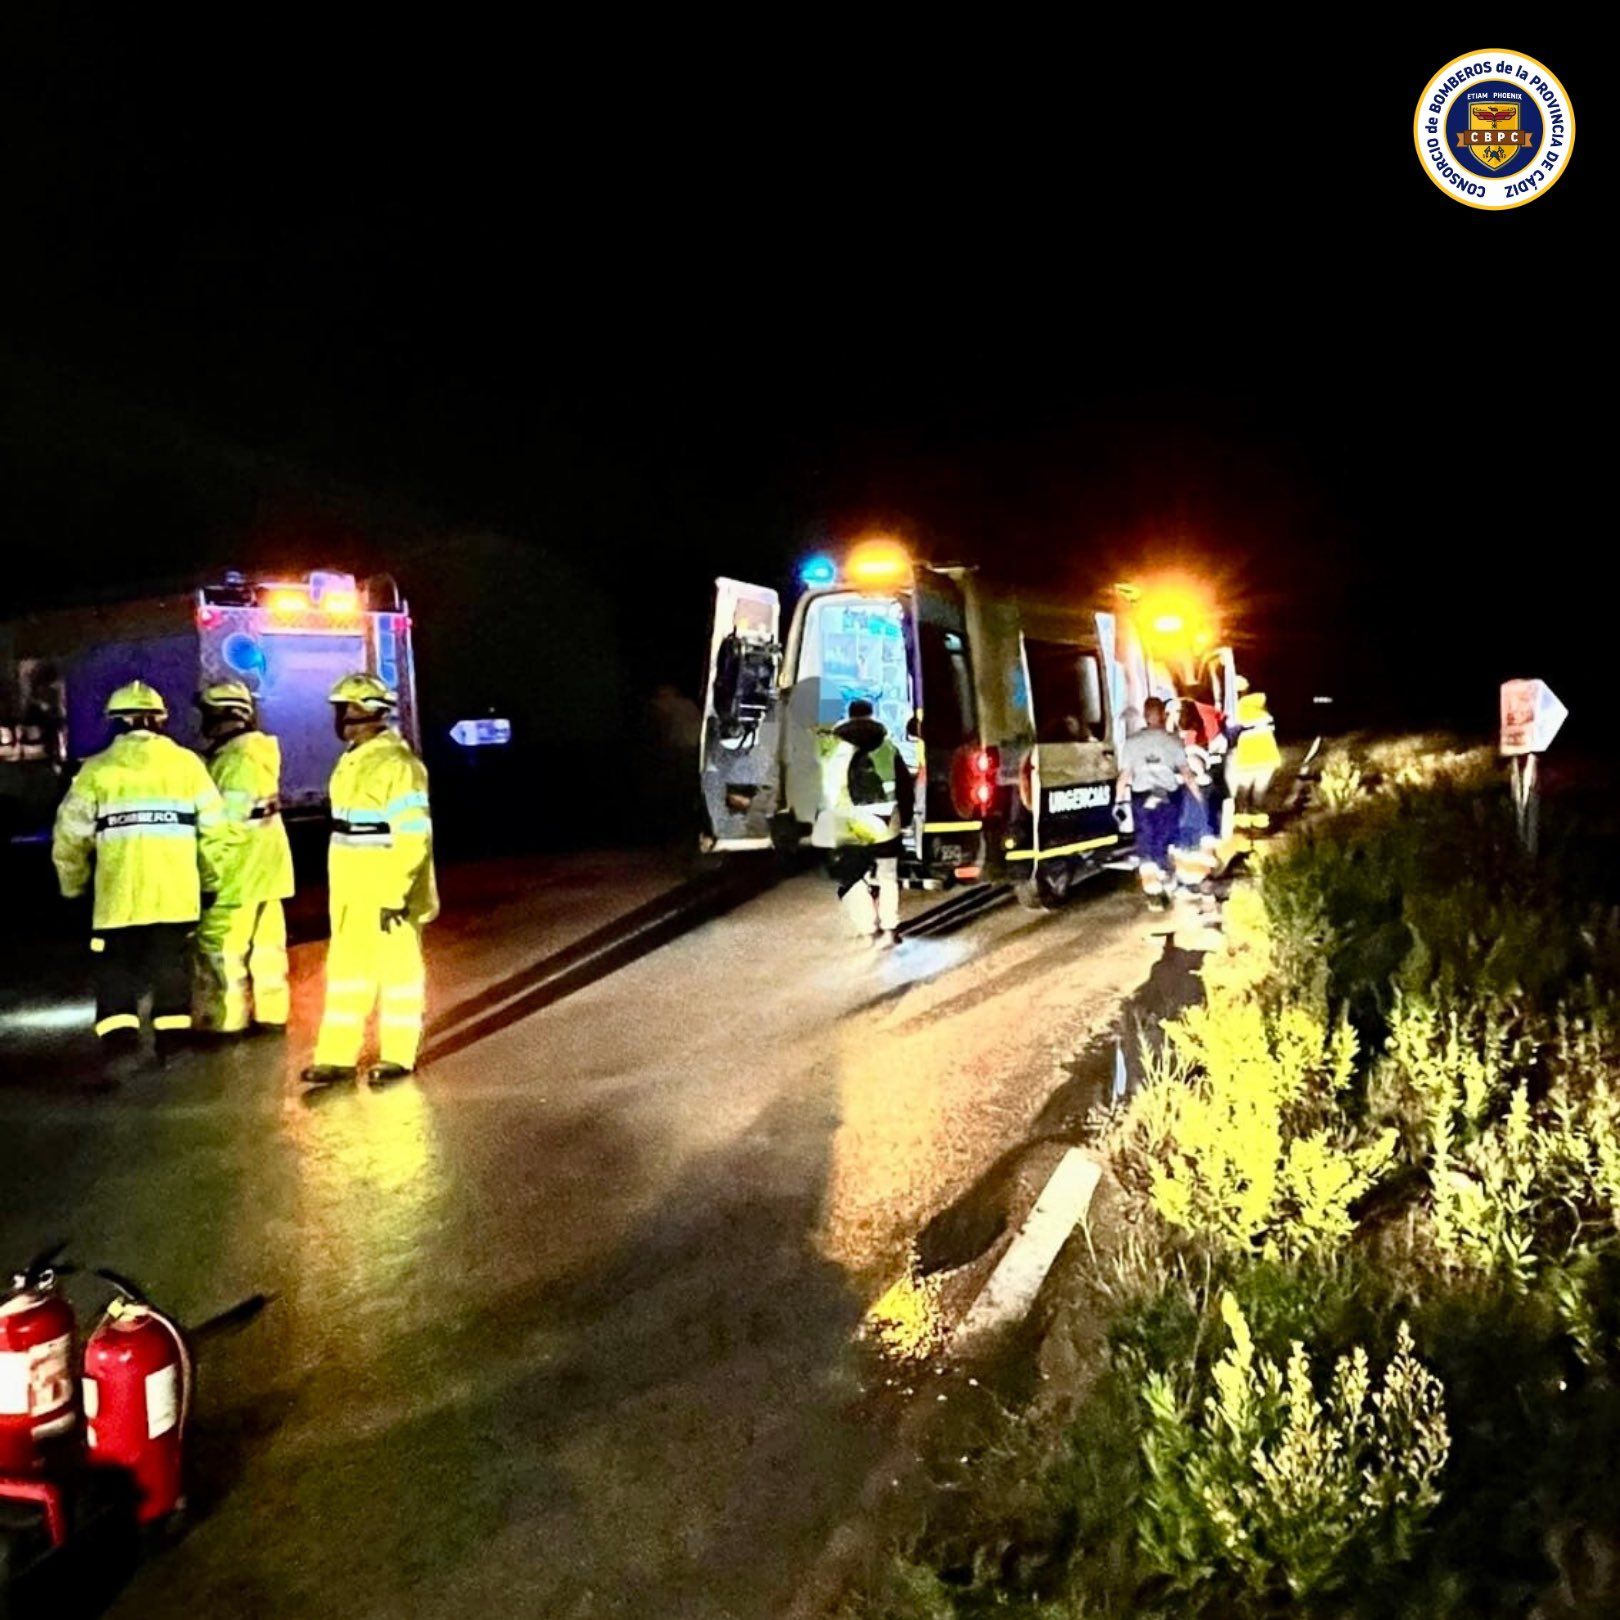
point(1531, 716)
point(1526, 801)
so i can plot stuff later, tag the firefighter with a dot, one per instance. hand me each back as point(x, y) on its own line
point(1255, 756)
point(868, 795)
point(380, 878)
point(242, 938)
point(144, 818)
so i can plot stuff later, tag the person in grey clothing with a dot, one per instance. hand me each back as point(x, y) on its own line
point(1154, 773)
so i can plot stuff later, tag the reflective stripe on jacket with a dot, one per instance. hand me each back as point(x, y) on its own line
point(144, 817)
point(381, 852)
point(246, 769)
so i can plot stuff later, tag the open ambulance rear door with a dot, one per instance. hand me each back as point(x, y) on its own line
point(738, 763)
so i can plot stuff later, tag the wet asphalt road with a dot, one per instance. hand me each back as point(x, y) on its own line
point(563, 1327)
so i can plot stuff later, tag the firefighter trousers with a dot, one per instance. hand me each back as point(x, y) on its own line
point(241, 967)
point(146, 959)
point(368, 967)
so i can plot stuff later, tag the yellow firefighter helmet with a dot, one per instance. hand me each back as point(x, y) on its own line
point(228, 697)
point(365, 691)
point(136, 697)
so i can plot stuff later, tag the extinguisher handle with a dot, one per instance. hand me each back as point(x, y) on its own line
point(45, 1265)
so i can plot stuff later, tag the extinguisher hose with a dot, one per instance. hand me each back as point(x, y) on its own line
point(185, 1369)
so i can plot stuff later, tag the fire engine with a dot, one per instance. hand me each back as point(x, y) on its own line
point(1009, 705)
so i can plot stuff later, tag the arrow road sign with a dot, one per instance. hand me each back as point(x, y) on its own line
point(481, 733)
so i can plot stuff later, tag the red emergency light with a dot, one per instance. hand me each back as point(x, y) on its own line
point(974, 773)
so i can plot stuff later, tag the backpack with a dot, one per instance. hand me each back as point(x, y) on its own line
point(865, 785)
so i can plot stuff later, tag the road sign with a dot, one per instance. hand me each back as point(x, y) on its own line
point(1531, 716)
point(481, 733)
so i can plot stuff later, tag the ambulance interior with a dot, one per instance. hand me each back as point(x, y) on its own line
point(851, 644)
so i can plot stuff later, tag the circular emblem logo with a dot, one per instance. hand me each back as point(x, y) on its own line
point(1494, 129)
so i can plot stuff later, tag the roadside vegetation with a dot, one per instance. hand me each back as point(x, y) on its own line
point(1360, 1346)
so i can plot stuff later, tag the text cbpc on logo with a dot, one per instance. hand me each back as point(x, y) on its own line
point(1494, 129)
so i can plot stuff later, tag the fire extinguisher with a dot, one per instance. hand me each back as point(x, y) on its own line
point(37, 1396)
point(137, 1397)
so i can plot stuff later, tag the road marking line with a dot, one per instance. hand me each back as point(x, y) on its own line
point(1017, 1278)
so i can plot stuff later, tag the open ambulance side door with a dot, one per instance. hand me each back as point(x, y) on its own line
point(738, 756)
point(1221, 669)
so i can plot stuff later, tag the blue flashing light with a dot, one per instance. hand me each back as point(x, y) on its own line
point(818, 572)
point(243, 654)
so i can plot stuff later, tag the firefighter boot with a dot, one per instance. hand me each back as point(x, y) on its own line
point(120, 1053)
point(328, 1074)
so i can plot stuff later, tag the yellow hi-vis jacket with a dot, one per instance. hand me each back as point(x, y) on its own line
point(842, 822)
point(382, 838)
point(146, 817)
point(246, 769)
point(1256, 748)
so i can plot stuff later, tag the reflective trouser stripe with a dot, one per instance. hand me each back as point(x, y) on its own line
point(172, 1021)
point(364, 965)
point(106, 1026)
point(242, 966)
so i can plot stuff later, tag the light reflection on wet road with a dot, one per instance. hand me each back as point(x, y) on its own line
point(562, 1328)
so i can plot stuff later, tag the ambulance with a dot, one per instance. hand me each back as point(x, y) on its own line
point(287, 638)
point(1008, 705)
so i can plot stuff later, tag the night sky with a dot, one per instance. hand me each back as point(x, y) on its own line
point(648, 306)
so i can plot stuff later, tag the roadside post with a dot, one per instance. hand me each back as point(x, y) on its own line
point(1531, 716)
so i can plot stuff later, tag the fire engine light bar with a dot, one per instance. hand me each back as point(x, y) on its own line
point(817, 572)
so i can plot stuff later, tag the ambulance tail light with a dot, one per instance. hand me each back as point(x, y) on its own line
point(975, 771)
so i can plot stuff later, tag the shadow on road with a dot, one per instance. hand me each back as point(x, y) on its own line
point(603, 951)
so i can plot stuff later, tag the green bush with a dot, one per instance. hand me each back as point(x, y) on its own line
point(1429, 891)
point(1339, 783)
point(1236, 1134)
point(1276, 1489)
point(1399, 1104)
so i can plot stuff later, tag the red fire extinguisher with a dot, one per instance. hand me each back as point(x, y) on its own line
point(37, 1395)
point(137, 1396)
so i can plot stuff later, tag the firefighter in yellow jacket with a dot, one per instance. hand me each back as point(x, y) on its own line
point(143, 821)
point(380, 876)
point(242, 938)
point(1254, 759)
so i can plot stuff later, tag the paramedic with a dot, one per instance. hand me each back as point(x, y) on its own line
point(1154, 772)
